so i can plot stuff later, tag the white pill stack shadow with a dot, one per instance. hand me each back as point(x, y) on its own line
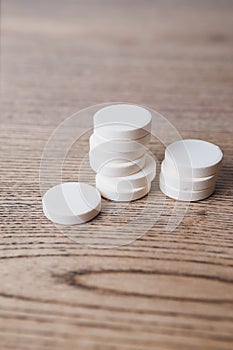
point(119, 153)
point(189, 170)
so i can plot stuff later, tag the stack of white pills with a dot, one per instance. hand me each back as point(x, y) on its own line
point(189, 170)
point(118, 152)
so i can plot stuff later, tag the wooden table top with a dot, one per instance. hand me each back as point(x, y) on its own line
point(164, 290)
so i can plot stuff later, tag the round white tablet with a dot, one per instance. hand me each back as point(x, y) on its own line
point(123, 121)
point(185, 195)
point(122, 195)
point(103, 156)
point(172, 179)
point(118, 145)
point(71, 203)
point(116, 167)
point(195, 158)
point(138, 179)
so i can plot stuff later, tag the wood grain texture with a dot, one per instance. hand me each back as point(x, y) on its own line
point(163, 291)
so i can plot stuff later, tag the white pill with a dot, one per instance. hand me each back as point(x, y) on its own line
point(71, 203)
point(138, 179)
point(116, 167)
point(121, 195)
point(118, 145)
point(123, 121)
point(194, 158)
point(172, 179)
point(185, 195)
point(103, 156)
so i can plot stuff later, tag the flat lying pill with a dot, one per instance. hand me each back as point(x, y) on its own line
point(116, 167)
point(123, 121)
point(185, 195)
point(138, 179)
point(123, 196)
point(118, 145)
point(103, 156)
point(193, 158)
point(71, 203)
point(172, 179)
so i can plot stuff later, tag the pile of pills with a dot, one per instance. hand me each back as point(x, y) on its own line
point(125, 169)
point(119, 153)
point(189, 170)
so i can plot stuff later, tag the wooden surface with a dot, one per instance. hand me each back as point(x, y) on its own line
point(163, 291)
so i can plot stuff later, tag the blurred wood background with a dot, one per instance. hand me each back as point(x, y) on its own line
point(163, 291)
